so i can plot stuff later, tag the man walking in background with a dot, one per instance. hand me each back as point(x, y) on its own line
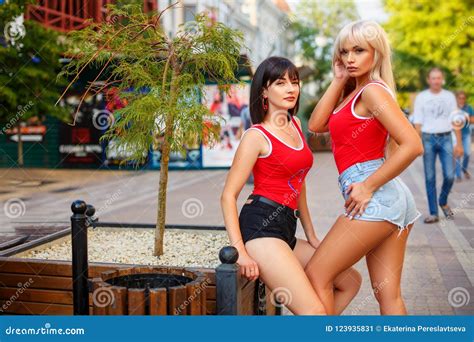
point(462, 164)
point(433, 112)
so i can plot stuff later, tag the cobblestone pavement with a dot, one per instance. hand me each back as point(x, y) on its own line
point(438, 274)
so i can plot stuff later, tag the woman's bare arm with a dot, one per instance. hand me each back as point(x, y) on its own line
point(318, 122)
point(252, 145)
point(305, 216)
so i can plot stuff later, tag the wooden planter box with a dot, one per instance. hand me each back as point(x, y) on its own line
point(44, 287)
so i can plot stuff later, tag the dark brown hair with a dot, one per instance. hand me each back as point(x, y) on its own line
point(270, 70)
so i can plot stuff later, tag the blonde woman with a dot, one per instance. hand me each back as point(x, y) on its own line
point(360, 111)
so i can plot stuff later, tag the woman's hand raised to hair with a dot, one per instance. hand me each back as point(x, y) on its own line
point(340, 71)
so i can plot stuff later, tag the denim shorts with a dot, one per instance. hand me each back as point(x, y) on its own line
point(258, 219)
point(392, 202)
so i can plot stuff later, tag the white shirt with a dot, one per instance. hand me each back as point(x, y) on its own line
point(433, 111)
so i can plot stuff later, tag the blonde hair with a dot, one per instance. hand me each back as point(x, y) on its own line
point(364, 33)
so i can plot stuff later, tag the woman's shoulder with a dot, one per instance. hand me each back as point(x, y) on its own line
point(376, 89)
point(255, 133)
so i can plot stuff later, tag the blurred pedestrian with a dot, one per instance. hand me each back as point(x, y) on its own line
point(462, 164)
point(433, 114)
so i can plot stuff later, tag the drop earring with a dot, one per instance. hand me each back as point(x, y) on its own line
point(265, 104)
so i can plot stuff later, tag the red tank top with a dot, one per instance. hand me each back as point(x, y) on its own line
point(355, 138)
point(279, 175)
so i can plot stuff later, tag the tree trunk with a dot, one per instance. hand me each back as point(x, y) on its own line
point(163, 184)
point(20, 147)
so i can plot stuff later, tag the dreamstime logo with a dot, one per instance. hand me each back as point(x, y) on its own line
point(453, 36)
point(373, 208)
point(197, 292)
point(458, 296)
point(192, 208)
point(369, 120)
point(279, 119)
point(370, 31)
point(22, 110)
point(281, 296)
point(110, 200)
point(191, 28)
point(16, 295)
point(102, 297)
point(272, 38)
point(103, 119)
point(112, 18)
point(376, 290)
point(15, 30)
point(279, 209)
point(458, 209)
point(459, 119)
point(14, 208)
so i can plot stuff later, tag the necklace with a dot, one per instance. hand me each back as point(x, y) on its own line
point(290, 135)
point(283, 128)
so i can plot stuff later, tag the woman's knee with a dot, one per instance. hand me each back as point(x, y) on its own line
point(314, 311)
point(322, 285)
point(388, 297)
point(355, 280)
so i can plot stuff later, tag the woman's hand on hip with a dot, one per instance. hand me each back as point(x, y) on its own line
point(359, 197)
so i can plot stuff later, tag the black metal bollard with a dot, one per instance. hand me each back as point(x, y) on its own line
point(228, 292)
point(91, 220)
point(80, 274)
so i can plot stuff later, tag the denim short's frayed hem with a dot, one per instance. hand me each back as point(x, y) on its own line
point(400, 228)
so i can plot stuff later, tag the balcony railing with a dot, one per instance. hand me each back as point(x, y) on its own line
point(67, 15)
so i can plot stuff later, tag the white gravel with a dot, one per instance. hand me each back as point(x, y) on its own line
point(135, 246)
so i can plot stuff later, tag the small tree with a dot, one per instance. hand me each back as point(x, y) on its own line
point(162, 80)
point(29, 63)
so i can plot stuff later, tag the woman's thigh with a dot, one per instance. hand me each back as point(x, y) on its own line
point(345, 244)
point(385, 264)
point(282, 272)
point(348, 279)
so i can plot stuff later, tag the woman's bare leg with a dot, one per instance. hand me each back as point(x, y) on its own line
point(281, 271)
point(385, 264)
point(345, 244)
point(347, 284)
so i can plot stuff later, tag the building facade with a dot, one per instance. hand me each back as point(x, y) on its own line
point(265, 23)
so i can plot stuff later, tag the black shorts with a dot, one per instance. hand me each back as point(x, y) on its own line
point(259, 219)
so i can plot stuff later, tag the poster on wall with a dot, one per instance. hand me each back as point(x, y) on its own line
point(188, 158)
point(233, 109)
point(79, 143)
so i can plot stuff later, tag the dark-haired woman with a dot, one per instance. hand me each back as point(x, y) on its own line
point(274, 149)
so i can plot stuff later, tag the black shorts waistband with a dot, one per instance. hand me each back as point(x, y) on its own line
point(290, 211)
